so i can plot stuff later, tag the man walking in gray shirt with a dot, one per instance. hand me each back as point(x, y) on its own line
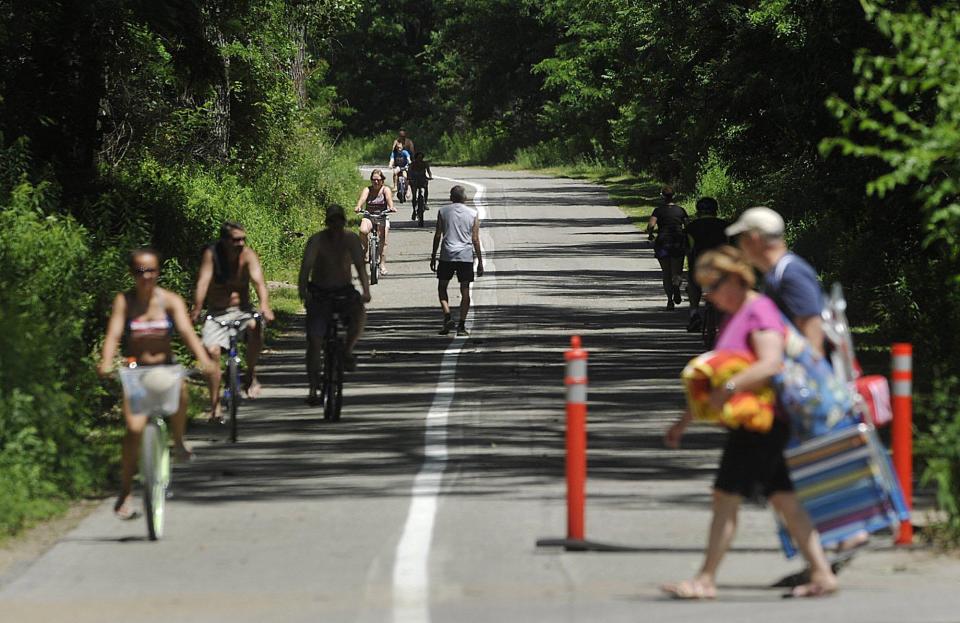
point(458, 228)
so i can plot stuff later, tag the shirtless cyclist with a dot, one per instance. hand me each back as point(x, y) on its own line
point(226, 270)
point(325, 285)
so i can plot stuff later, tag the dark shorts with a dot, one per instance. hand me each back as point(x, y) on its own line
point(753, 463)
point(667, 247)
point(321, 304)
point(464, 271)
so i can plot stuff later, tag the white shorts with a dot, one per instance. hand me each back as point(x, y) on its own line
point(216, 335)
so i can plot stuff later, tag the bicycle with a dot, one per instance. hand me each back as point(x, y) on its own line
point(419, 204)
point(153, 391)
point(374, 244)
point(402, 185)
point(230, 400)
point(334, 352)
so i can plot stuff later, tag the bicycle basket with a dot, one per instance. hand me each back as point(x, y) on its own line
point(152, 389)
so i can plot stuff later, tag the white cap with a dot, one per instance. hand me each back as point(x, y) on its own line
point(763, 220)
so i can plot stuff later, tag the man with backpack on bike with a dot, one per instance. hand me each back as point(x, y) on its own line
point(325, 285)
point(705, 231)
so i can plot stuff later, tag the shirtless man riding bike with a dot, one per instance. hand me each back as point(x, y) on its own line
point(325, 284)
point(420, 176)
point(226, 270)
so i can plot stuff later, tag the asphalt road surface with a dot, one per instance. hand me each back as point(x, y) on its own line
point(426, 502)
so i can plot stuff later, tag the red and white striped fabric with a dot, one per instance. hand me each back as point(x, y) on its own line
point(874, 391)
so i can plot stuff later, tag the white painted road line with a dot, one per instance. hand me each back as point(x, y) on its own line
point(411, 573)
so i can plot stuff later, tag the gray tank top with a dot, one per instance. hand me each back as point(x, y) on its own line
point(457, 232)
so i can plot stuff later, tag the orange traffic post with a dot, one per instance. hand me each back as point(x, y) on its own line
point(902, 430)
point(576, 382)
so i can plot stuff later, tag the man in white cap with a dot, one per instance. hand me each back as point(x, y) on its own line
point(787, 278)
point(793, 284)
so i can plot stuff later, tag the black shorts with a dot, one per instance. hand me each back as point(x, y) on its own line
point(321, 304)
point(753, 463)
point(464, 271)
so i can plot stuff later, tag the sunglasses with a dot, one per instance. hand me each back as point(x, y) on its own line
point(376, 179)
point(710, 289)
point(145, 271)
point(238, 238)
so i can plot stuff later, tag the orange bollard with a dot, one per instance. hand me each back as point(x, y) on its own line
point(902, 429)
point(576, 382)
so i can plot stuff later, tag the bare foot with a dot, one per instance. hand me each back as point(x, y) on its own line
point(813, 589)
point(123, 510)
point(182, 453)
point(690, 590)
point(253, 390)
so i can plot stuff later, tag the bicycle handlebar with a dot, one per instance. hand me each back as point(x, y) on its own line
point(237, 322)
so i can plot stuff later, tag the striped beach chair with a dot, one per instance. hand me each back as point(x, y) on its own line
point(846, 483)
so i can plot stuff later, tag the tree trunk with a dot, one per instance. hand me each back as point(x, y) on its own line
point(298, 66)
point(220, 130)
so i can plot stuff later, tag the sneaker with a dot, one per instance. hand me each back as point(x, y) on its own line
point(447, 325)
point(462, 331)
point(676, 295)
point(670, 304)
point(413, 215)
point(695, 324)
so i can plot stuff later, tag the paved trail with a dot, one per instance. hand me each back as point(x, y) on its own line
point(426, 501)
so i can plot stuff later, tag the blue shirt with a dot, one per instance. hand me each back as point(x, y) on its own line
point(401, 158)
point(793, 285)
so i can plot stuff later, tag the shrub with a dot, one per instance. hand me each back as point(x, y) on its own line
point(938, 444)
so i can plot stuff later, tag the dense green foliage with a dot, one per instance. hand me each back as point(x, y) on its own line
point(127, 123)
point(843, 116)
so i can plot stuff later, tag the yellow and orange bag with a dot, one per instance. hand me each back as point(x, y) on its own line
point(751, 410)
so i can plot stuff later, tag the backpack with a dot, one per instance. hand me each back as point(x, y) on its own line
point(810, 395)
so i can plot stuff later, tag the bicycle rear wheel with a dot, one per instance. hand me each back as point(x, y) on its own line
point(421, 206)
point(233, 373)
point(333, 380)
point(374, 263)
point(155, 460)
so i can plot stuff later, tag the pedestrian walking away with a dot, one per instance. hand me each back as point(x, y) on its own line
point(670, 246)
point(706, 231)
point(752, 461)
point(457, 236)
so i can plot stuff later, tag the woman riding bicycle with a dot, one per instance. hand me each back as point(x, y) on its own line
point(377, 198)
point(144, 318)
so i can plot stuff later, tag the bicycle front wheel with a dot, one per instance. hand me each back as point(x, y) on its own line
point(155, 460)
point(374, 263)
point(233, 372)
